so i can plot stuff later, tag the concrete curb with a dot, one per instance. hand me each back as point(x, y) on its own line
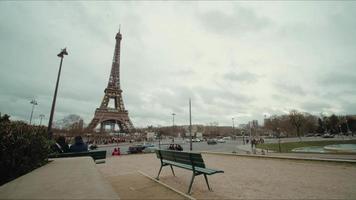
point(167, 186)
point(283, 157)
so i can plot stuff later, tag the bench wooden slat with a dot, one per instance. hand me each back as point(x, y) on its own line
point(184, 161)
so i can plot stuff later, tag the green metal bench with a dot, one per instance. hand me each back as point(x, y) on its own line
point(96, 155)
point(186, 160)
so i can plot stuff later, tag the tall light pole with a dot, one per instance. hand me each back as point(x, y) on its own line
point(173, 114)
point(190, 125)
point(34, 103)
point(233, 126)
point(41, 117)
point(49, 130)
point(348, 128)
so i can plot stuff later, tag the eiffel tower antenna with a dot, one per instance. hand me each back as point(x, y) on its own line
point(119, 27)
point(118, 115)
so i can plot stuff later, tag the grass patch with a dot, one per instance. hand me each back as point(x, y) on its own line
point(288, 146)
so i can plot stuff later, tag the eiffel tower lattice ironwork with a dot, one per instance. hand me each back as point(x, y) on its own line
point(105, 115)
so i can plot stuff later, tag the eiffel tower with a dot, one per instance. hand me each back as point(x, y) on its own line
point(105, 115)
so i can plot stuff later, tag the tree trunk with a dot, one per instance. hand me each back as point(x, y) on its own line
point(298, 133)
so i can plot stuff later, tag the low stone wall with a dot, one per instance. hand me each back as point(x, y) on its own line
point(63, 178)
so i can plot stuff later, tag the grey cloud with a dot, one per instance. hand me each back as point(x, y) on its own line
point(239, 22)
point(340, 78)
point(289, 89)
point(157, 82)
point(315, 106)
point(349, 107)
point(217, 101)
point(243, 77)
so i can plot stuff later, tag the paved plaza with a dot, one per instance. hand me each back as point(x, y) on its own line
point(244, 178)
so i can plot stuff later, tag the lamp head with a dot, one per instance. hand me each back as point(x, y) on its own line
point(63, 52)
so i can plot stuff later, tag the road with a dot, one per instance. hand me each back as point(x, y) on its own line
point(228, 147)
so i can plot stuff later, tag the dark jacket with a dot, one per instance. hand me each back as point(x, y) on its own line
point(79, 145)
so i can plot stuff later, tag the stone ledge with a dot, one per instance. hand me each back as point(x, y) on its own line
point(63, 178)
point(283, 157)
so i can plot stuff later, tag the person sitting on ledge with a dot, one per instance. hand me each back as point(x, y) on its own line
point(61, 146)
point(78, 145)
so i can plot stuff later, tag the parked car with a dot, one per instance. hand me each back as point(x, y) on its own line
point(93, 146)
point(150, 149)
point(211, 141)
point(226, 138)
point(221, 141)
point(309, 135)
point(196, 140)
point(136, 149)
point(148, 145)
point(328, 135)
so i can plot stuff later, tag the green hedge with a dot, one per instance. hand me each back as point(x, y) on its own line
point(23, 148)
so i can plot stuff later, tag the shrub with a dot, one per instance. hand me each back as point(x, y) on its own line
point(23, 148)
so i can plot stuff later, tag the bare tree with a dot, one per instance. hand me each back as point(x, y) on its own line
point(297, 120)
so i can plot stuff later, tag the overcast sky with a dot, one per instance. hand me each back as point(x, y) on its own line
point(233, 59)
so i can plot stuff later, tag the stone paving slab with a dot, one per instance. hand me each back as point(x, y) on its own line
point(249, 178)
point(136, 186)
point(63, 178)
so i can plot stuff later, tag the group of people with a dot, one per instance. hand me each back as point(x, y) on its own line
point(175, 147)
point(61, 145)
point(255, 141)
point(116, 152)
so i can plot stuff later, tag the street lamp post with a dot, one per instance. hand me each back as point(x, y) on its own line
point(190, 125)
point(41, 117)
point(279, 140)
point(340, 132)
point(243, 137)
point(233, 125)
point(173, 114)
point(34, 103)
point(348, 128)
point(49, 130)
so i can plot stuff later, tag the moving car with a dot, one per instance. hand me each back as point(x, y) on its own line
point(211, 141)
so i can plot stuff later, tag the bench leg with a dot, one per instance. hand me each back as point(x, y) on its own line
point(207, 182)
point(191, 183)
point(172, 170)
point(160, 169)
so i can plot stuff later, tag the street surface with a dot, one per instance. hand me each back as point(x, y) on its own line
point(228, 147)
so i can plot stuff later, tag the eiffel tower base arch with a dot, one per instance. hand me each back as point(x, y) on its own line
point(105, 117)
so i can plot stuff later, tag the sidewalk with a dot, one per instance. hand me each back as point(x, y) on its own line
point(136, 186)
point(244, 178)
point(62, 178)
